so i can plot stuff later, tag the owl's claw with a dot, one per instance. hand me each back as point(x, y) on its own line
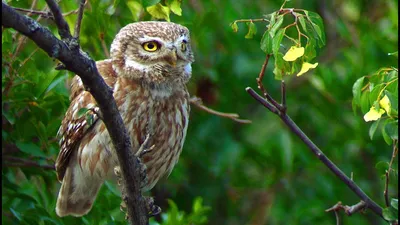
point(152, 209)
point(143, 147)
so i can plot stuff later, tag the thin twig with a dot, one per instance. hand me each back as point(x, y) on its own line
point(104, 46)
point(19, 162)
point(261, 86)
point(62, 25)
point(233, 116)
point(321, 156)
point(27, 58)
point(336, 209)
point(44, 14)
point(79, 19)
point(387, 174)
point(349, 210)
point(261, 74)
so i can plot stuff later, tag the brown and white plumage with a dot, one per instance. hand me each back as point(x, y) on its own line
point(150, 92)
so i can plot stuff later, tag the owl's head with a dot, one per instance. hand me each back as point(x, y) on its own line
point(154, 52)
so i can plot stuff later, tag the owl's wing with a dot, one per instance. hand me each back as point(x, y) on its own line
point(80, 116)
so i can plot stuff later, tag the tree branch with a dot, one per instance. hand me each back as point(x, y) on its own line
point(78, 62)
point(321, 156)
point(233, 116)
point(349, 210)
point(11, 161)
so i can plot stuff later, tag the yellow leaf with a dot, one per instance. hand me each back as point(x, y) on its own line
point(373, 114)
point(306, 67)
point(159, 11)
point(385, 103)
point(293, 53)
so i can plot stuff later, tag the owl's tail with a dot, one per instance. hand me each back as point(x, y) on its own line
point(77, 192)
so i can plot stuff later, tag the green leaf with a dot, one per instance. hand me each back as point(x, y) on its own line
point(394, 54)
point(235, 27)
point(390, 214)
point(266, 43)
point(309, 52)
point(302, 22)
point(147, 3)
point(373, 96)
point(395, 203)
point(391, 130)
point(382, 167)
point(364, 102)
point(281, 66)
point(357, 90)
point(30, 149)
point(175, 7)
point(276, 25)
point(385, 135)
point(276, 41)
point(159, 11)
point(317, 26)
point(252, 30)
point(373, 128)
point(135, 7)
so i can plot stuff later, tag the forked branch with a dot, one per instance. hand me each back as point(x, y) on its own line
point(280, 110)
point(76, 61)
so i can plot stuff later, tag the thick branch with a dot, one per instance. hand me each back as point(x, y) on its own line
point(80, 63)
point(321, 156)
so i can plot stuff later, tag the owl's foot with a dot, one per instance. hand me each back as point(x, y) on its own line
point(123, 209)
point(143, 149)
point(152, 209)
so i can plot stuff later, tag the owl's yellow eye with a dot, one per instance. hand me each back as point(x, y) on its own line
point(151, 46)
point(183, 46)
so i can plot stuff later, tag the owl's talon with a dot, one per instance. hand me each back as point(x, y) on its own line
point(152, 209)
point(143, 147)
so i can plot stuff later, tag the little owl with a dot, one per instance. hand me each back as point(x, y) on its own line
point(149, 67)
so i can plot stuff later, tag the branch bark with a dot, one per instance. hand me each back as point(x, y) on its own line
point(78, 62)
point(321, 156)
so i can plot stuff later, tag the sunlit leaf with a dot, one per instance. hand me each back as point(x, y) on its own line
point(373, 114)
point(293, 53)
point(385, 104)
point(306, 67)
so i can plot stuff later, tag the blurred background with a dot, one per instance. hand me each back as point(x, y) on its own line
point(258, 173)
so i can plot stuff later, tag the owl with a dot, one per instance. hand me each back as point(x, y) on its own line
point(149, 67)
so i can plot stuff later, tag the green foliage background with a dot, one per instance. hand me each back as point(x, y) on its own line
point(228, 173)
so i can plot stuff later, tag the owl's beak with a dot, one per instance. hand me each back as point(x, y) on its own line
point(172, 58)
